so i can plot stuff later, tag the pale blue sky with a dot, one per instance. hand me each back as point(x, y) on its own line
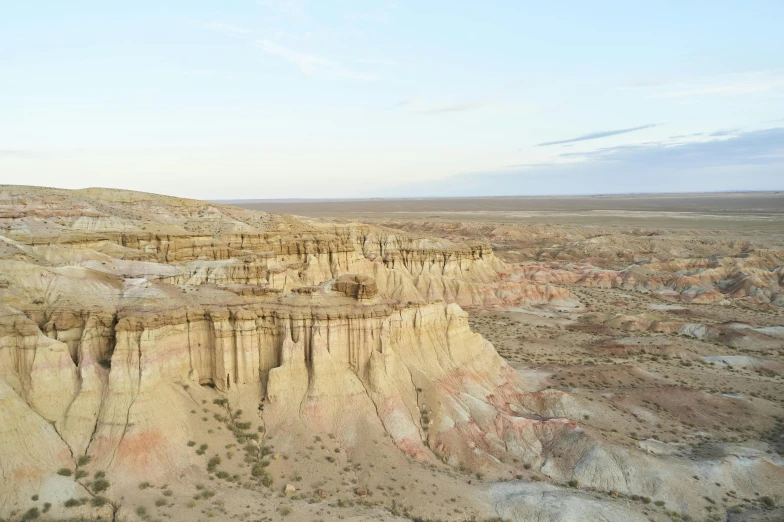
point(290, 98)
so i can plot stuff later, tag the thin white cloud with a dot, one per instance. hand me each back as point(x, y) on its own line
point(735, 84)
point(458, 107)
point(597, 135)
point(377, 62)
point(18, 153)
point(312, 64)
point(419, 106)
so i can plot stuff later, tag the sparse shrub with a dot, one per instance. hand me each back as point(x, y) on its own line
point(285, 511)
point(572, 483)
point(160, 502)
point(767, 501)
point(100, 485)
point(141, 511)
point(213, 463)
point(99, 501)
point(145, 485)
point(80, 474)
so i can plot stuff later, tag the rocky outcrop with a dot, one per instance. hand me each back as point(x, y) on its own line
point(117, 314)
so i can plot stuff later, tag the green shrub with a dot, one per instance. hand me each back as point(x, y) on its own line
point(31, 514)
point(34, 498)
point(83, 460)
point(71, 502)
point(141, 511)
point(100, 485)
point(80, 474)
point(266, 479)
point(64, 472)
point(47, 507)
point(160, 502)
point(145, 485)
point(191, 443)
point(767, 501)
point(99, 501)
point(213, 463)
point(572, 483)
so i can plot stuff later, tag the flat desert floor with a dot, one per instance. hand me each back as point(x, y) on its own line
point(763, 211)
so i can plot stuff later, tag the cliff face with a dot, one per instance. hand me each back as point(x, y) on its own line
point(98, 378)
point(119, 309)
point(124, 315)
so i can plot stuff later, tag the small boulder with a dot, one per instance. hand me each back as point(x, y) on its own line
point(289, 489)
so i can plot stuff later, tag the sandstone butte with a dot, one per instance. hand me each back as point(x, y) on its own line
point(121, 313)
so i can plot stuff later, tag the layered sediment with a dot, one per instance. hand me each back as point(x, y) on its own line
point(121, 313)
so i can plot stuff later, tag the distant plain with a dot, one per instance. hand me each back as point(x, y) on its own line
point(749, 211)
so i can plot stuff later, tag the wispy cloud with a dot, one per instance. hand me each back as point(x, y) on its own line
point(723, 132)
point(733, 84)
point(372, 61)
point(740, 148)
point(746, 161)
point(18, 153)
point(597, 135)
point(312, 64)
point(420, 106)
point(458, 107)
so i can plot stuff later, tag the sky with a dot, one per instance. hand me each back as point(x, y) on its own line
point(260, 99)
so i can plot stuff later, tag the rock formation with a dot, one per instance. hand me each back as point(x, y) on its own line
point(118, 309)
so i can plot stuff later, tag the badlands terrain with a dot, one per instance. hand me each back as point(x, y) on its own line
point(525, 359)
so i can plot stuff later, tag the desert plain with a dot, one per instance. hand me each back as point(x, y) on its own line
point(608, 358)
